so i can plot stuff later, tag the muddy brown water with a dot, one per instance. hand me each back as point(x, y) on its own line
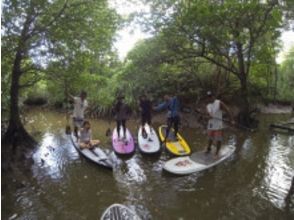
point(252, 184)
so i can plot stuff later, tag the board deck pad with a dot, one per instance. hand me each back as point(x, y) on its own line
point(121, 145)
point(119, 212)
point(204, 158)
point(175, 145)
point(171, 134)
point(150, 143)
point(97, 155)
point(198, 161)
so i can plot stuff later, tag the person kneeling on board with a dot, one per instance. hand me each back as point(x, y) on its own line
point(215, 108)
point(85, 137)
point(121, 113)
point(145, 107)
point(80, 106)
point(172, 104)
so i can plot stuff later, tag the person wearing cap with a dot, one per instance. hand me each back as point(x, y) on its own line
point(121, 113)
point(214, 109)
point(145, 108)
point(80, 106)
point(172, 104)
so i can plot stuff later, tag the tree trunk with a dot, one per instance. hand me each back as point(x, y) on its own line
point(244, 115)
point(16, 135)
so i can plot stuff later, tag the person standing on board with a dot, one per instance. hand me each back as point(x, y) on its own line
point(145, 107)
point(214, 109)
point(172, 104)
point(121, 113)
point(80, 106)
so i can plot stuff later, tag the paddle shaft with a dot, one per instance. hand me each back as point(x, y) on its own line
point(67, 128)
point(224, 120)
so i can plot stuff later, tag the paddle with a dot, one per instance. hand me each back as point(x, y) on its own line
point(108, 131)
point(227, 121)
point(67, 127)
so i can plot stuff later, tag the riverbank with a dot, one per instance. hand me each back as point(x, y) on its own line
point(275, 108)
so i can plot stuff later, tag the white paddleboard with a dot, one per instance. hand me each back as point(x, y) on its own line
point(198, 161)
point(96, 155)
point(149, 144)
point(119, 212)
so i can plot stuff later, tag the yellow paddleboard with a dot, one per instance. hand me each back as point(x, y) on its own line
point(179, 146)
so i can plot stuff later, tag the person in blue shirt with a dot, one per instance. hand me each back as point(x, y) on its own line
point(172, 104)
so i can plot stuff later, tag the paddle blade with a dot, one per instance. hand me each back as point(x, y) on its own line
point(67, 130)
point(108, 132)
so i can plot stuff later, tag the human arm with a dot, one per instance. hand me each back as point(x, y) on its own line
point(225, 108)
point(208, 112)
point(160, 107)
point(70, 96)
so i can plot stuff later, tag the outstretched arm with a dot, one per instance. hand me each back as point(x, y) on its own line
point(226, 109)
point(160, 106)
point(70, 96)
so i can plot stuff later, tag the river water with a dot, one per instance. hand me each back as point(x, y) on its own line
point(252, 184)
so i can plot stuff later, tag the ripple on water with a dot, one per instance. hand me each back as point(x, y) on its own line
point(53, 156)
point(278, 172)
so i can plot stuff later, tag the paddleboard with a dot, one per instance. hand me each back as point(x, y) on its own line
point(198, 161)
point(123, 145)
point(177, 146)
point(97, 155)
point(150, 143)
point(119, 212)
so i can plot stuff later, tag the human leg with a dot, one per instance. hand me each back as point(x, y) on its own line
point(210, 141)
point(83, 145)
point(143, 122)
point(218, 135)
point(176, 121)
point(95, 142)
point(169, 124)
point(77, 124)
point(148, 119)
point(118, 122)
point(123, 123)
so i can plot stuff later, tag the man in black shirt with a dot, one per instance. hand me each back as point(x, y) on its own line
point(145, 107)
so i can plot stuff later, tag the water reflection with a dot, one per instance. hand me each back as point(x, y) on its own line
point(278, 171)
point(53, 155)
point(252, 184)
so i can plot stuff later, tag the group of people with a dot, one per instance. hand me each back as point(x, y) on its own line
point(122, 112)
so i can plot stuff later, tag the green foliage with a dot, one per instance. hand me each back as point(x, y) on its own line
point(196, 45)
point(66, 44)
point(286, 78)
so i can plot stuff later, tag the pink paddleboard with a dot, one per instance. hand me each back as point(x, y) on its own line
point(121, 145)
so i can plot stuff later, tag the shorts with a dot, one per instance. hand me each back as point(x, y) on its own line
point(78, 122)
point(215, 135)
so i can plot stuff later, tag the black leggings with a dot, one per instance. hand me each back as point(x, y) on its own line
point(145, 118)
point(173, 121)
point(121, 123)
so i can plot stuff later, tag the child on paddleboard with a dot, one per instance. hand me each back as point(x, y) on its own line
point(172, 104)
point(145, 107)
point(85, 137)
point(214, 109)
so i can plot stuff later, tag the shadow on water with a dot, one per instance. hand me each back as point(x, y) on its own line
point(252, 184)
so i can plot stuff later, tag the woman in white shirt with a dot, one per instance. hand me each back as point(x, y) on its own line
point(85, 137)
